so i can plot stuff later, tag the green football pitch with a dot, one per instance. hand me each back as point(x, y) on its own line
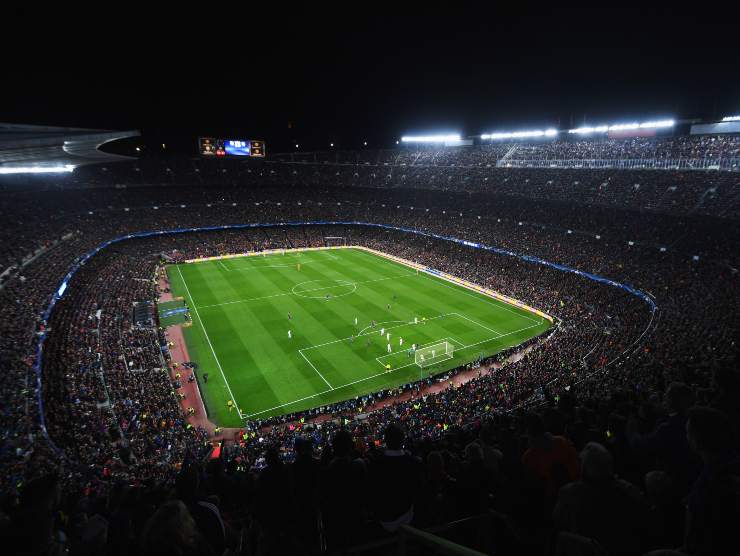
point(240, 309)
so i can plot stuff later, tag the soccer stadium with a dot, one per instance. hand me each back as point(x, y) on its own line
point(512, 339)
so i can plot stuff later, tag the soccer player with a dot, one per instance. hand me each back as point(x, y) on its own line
point(388, 368)
point(434, 354)
point(355, 321)
point(290, 317)
point(388, 337)
point(382, 331)
point(416, 320)
point(290, 335)
point(298, 266)
point(389, 348)
point(400, 341)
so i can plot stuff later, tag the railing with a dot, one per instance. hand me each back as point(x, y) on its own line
point(481, 532)
point(438, 545)
point(724, 164)
point(706, 164)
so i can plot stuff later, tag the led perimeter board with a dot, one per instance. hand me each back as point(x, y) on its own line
point(209, 146)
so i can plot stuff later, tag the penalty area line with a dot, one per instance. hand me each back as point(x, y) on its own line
point(315, 369)
point(286, 404)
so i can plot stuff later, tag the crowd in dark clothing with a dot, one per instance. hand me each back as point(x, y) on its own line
point(621, 426)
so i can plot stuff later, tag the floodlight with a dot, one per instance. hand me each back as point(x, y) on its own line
point(621, 127)
point(520, 134)
point(430, 138)
point(585, 130)
point(660, 123)
point(731, 119)
point(36, 169)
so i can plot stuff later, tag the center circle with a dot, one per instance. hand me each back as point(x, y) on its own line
point(320, 289)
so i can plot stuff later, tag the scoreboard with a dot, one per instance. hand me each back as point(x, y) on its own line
point(208, 146)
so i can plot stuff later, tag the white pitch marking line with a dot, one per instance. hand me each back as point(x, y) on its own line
point(487, 298)
point(379, 374)
point(315, 369)
point(361, 332)
point(479, 324)
point(245, 300)
point(369, 333)
point(205, 333)
point(456, 341)
point(400, 351)
point(291, 293)
point(501, 336)
point(224, 266)
point(258, 267)
point(337, 285)
point(254, 264)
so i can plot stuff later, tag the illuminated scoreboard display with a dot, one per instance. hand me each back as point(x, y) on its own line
point(209, 146)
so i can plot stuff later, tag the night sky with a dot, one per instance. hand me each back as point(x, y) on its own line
point(357, 72)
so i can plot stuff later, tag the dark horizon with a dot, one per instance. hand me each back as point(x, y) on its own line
point(313, 78)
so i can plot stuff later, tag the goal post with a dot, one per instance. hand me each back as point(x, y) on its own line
point(334, 241)
point(434, 354)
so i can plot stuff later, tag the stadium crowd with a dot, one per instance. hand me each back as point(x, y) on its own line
point(616, 382)
point(697, 147)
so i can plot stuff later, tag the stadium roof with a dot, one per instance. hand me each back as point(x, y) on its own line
point(36, 146)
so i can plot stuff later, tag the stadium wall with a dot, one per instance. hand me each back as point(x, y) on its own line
point(38, 362)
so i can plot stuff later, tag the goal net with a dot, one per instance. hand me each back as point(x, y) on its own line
point(436, 353)
point(334, 241)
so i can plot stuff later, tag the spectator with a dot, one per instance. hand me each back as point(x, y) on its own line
point(552, 459)
point(602, 507)
point(305, 477)
point(667, 443)
point(343, 494)
point(171, 531)
point(714, 501)
point(395, 477)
